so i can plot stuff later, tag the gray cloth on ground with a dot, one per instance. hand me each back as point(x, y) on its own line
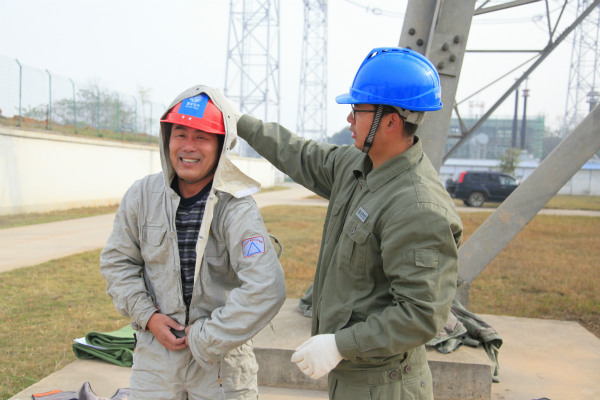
point(465, 327)
point(84, 393)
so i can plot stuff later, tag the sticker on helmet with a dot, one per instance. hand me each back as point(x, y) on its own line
point(252, 246)
point(194, 106)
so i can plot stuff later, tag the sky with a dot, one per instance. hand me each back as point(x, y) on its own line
point(166, 47)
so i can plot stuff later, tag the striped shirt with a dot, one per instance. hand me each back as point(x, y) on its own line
point(187, 221)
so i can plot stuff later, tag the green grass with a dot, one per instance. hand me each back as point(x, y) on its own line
point(548, 271)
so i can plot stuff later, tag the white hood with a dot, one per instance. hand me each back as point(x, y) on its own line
point(228, 178)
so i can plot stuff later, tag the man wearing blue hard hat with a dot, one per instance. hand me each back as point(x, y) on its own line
point(387, 268)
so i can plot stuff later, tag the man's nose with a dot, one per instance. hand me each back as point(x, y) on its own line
point(190, 143)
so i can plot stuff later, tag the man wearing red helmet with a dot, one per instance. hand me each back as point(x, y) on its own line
point(387, 268)
point(189, 260)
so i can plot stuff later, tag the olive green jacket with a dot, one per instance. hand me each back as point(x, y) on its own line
point(387, 268)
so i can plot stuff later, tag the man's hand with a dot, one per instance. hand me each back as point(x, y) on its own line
point(160, 325)
point(317, 356)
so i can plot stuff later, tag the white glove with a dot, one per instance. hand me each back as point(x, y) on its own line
point(317, 356)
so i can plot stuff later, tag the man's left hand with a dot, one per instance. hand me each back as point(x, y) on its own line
point(317, 356)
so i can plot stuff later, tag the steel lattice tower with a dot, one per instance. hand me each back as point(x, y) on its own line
point(584, 76)
point(312, 105)
point(252, 70)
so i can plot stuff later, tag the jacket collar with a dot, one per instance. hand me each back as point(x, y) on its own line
point(387, 171)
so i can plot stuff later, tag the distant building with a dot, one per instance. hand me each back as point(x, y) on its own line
point(492, 139)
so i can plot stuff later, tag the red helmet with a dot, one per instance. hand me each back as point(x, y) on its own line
point(198, 112)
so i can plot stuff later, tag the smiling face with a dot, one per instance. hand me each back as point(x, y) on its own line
point(194, 155)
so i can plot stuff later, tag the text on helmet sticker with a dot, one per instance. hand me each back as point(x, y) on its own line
point(194, 106)
point(252, 246)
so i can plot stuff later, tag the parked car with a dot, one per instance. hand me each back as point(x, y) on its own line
point(476, 187)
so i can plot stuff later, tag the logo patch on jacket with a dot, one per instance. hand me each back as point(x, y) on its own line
point(362, 214)
point(252, 246)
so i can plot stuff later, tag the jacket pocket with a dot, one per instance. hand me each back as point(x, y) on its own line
point(420, 272)
point(334, 221)
point(217, 261)
point(353, 249)
point(154, 247)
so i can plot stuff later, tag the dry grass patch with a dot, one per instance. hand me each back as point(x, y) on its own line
point(575, 202)
point(590, 203)
point(548, 271)
point(299, 230)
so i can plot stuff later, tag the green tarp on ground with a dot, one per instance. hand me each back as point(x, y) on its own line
point(116, 347)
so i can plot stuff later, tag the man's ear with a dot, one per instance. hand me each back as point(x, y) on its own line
point(395, 121)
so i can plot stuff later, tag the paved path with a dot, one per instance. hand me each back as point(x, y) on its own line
point(35, 244)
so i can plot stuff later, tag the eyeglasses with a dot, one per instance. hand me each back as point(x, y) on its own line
point(354, 111)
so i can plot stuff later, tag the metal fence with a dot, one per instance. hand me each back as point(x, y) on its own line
point(31, 97)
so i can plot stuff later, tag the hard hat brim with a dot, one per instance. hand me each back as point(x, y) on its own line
point(346, 98)
point(202, 115)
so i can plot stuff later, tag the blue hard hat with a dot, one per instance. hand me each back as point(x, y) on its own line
point(398, 77)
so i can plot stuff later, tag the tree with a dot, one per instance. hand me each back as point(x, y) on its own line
point(509, 160)
point(144, 94)
point(548, 145)
point(91, 103)
point(342, 137)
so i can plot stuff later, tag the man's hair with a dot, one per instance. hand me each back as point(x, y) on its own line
point(409, 128)
point(221, 139)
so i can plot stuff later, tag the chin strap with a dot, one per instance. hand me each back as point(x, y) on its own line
point(369, 139)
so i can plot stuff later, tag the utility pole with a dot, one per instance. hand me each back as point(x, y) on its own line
point(583, 73)
point(252, 69)
point(312, 101)
point(524, 118)
point(513, 142)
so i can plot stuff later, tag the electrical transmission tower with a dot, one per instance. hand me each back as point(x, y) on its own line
point(312, 106)
point(252, 70)
point(583, 92)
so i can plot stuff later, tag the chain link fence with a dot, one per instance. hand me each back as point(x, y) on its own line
point(39, 99)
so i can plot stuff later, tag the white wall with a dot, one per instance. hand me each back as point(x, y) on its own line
point(43, 172)
point(260, 170)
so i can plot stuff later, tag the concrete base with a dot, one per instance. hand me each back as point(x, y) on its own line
point(274, 346)
point(465, 374)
